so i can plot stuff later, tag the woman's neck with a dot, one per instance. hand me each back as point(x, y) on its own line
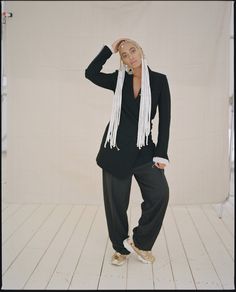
point(137, 72)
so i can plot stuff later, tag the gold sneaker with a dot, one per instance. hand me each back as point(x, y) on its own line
point(118, 259)
point(144, 256)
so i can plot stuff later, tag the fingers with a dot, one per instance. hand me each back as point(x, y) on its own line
point(117, 43)
point(159, 165)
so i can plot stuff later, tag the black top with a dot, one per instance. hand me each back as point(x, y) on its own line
point(120, 162)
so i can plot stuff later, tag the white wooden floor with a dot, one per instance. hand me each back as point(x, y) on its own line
point(67, 247)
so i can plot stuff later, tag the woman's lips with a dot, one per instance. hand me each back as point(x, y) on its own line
point(133, 62)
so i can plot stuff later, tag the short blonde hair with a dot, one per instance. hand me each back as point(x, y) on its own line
point(132, 42)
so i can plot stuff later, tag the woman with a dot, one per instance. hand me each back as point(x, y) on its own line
point(138, 92)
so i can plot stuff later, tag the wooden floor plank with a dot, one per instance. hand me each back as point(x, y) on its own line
point(226, 218)
point(203, 271)
point(223, 233)
point(17, 220)
point(66, 266)
point(14, 246)
point(44, 270)
point(180, 265)
point(10, 211)
point(16, 277)
point(220, 258)
point(162, 269)
point(88, 270)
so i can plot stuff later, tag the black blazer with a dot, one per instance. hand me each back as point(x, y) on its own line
point(120, 162)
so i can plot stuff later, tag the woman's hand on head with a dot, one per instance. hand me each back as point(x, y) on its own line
point(116, 44)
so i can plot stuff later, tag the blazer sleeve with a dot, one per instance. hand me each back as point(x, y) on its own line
point(92, 72)
point(164, 108)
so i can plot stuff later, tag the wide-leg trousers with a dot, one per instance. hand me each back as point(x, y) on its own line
point(155, 194)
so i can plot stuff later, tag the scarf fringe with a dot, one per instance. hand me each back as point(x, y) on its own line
point(144, 110)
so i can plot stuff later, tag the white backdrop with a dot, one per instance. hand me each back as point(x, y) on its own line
point(54, 113)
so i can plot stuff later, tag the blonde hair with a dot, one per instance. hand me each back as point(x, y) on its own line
point(145, 104)
point(132, 42)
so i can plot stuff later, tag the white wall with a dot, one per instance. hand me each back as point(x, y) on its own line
point(56, 117)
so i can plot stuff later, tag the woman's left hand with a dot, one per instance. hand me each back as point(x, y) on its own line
point(160, 165)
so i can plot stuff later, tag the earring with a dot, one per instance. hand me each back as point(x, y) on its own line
point(129, 70)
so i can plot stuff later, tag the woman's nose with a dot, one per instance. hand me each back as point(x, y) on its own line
point(131, 58)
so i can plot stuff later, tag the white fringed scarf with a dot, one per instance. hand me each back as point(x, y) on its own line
point(144, 110)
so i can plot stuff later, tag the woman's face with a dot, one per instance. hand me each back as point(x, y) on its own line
point(130, 55)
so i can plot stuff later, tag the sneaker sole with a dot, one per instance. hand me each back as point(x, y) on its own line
point(129, 248)
point(118, 264)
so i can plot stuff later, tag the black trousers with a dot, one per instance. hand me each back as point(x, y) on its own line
point(155, 193)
